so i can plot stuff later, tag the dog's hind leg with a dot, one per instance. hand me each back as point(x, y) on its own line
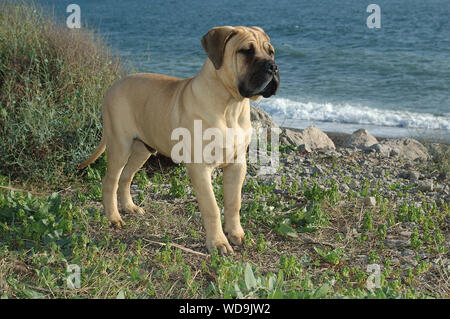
point(139, 155)
point(117, 153)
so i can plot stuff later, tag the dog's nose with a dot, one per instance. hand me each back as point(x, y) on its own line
point(271, 67)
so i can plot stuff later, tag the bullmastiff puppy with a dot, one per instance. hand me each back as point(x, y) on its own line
point(141, 111)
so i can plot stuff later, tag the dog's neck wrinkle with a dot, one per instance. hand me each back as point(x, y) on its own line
point(207, 83)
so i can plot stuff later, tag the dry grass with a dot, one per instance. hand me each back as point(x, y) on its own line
point(52, 82)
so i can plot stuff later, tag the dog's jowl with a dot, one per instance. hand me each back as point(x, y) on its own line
point(141, 111)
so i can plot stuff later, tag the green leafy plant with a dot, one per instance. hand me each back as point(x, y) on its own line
point(330, 256)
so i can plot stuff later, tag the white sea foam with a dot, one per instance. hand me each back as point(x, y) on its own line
point(354, 114)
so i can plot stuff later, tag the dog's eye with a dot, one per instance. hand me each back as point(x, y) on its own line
point(248, 51)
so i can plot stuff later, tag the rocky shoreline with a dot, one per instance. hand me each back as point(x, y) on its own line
point(339, 138)
point(382, 159)
point(403, 174)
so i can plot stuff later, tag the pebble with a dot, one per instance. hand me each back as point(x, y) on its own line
point(413, 176)
point(405, 233)
point(439, 188)
point(290, 159)
point(370, 201)
point(424, 255)
point(395, 261)
point(443, 176)
point(410, 260)
point(354, 184)
point(396, 243)
point(363, 257)
point(393, 152)
point(425, 186)
point(408, 252)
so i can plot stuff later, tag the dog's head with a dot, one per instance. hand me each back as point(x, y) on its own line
point(243, 59)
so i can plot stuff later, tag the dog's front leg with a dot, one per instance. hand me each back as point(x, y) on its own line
point(233, 178)
point(200, 176)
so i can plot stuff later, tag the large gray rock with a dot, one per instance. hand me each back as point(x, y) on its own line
point(261, 118)
point(360, 139)
point(383, 150)
point(407, 148)
point(311, 138)
point(293, 138)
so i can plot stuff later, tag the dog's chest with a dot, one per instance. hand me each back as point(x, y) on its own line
point(238, 131)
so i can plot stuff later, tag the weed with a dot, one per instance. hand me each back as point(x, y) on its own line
point(52, 82)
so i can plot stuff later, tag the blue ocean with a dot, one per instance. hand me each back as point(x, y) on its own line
point(336, 72)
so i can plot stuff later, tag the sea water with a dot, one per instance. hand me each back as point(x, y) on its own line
point(336, 72)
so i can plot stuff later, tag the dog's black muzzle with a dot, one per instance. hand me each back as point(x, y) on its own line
point(264, 81)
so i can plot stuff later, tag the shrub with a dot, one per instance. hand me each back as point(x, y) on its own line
point(52, 82)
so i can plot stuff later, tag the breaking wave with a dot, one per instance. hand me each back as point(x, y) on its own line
point(352, 114)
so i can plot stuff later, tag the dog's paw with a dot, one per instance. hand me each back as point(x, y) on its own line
point(236, 235)
point(132, 208)
point(220, 243)
point(117, 223)
point(236, 238)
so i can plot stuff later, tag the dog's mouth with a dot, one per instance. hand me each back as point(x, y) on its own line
point(263, 86)
point(266, 85)
point(271, 87)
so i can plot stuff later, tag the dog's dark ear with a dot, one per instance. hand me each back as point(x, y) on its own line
point(214, 43)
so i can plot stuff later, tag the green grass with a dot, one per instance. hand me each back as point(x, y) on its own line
point(314, 256)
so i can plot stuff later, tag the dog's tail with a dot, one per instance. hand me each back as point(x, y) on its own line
point(98, 151)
